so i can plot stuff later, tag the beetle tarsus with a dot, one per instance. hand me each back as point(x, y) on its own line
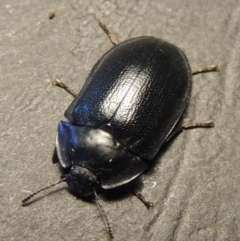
point(146, 202)
point(210, 68)
point(110, 35)
point(60, 84)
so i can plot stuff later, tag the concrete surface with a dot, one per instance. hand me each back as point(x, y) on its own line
point(194, 184)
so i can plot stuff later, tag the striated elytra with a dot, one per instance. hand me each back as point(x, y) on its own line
point(128, 107)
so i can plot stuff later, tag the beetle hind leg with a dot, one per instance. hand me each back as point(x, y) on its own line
point(60, 84)
point(110, 35)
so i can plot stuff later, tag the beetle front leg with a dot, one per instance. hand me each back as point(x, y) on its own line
point(178, 129)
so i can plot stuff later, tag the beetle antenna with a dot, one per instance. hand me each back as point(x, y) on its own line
point(104, 215)
point(43, 189)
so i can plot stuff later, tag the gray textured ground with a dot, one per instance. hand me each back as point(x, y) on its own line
point(194, 185)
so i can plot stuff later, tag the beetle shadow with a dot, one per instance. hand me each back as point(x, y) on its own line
point(123, 191)
point(54, 156)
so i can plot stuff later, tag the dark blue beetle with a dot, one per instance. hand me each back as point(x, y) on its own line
point(127, 109)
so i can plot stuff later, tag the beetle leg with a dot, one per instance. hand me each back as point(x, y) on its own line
point(147, 203)
point(208, 124)
point(60, 84)
point(206, 69)
point(178, 129)
point(110, 35)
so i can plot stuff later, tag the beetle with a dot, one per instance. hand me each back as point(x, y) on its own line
point(129, 106)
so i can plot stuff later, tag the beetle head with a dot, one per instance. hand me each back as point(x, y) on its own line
point(81, 181)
